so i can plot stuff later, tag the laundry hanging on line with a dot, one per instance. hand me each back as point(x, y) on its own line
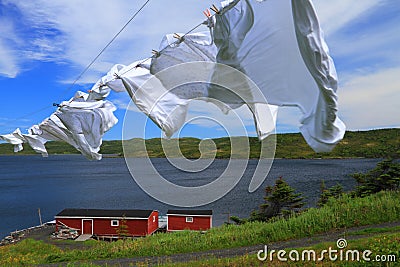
point(277, 44)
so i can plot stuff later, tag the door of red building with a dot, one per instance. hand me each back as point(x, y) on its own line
point(87, 226)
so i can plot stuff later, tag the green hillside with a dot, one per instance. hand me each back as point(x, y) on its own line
point(369, 144)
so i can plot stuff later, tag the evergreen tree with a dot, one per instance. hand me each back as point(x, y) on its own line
point(386, 176)
point(280, 200)
point(123, 230)
point(238, 220)
point(326, 193)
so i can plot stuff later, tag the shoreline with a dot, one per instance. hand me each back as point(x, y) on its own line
point(18, 235)
point(124, 177)
point(377, 143)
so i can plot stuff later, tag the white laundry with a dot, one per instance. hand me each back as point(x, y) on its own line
point(78, 122)
point(280, 46)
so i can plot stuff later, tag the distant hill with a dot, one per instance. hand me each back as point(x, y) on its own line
point(368, 144)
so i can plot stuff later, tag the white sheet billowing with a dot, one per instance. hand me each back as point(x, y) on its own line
point(165, 96)
point(167, 110)
point(15, 139)
point(199, 47)
point(280, 46)
point(81, 122)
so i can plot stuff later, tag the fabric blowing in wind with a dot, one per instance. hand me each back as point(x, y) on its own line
point(277, 44)
point(280, 46)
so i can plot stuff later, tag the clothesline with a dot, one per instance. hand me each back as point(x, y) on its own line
point(88, 66)
point(210, 17)
point(107, 45)
point(156, 53)
point(277, 44)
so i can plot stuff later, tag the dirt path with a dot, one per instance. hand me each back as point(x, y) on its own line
point(226, 253)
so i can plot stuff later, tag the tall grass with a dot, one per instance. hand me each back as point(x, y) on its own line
point(26, 252)
point(340, 213)
point(384, 244)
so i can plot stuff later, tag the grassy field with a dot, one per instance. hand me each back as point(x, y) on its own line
point(337, 214)
point(382, 143)
point(383, 246)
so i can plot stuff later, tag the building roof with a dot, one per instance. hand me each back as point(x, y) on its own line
point(190, 212)
point(98, 213)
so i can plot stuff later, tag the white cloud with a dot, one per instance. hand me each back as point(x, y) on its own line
point(9, 59)
point(76, 31)
point(44, 50)
point(335, 15)
point(371, 100)
point(361, 35)
point(8, 63)
point(369, 60)
point(378, 45)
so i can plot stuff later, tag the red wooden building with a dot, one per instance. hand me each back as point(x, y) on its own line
point(107, 222)
point(189, 220)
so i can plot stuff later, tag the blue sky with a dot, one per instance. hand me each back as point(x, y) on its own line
point(44, 45)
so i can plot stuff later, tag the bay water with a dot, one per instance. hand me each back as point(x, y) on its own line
point(52, 184)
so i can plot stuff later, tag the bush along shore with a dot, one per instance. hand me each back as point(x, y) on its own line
point(367, 205)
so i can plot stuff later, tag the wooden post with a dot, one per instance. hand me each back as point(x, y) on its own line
point(40, 217)
point(229, 216)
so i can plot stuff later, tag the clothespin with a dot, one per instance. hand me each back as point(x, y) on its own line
point(207, 13)
point(215, 9)
point(116, 76)
point(178, 37)
point(209, 21)
point(155, 53)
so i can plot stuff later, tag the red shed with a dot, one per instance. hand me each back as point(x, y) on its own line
point(189, 220)
point(107, 222)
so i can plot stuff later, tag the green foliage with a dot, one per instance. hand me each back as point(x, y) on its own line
point(384, 143)
point(337, 213)
point(342, 213)
point(26, 252)
point(326, 193)
point(386, 176)
point(237, 220)
point(280, 200)
point(385, 244)
point(374, 230)
point(123, 230)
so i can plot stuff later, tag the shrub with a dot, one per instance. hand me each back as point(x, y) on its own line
point(332, 192)
point(386, 176)
point(280, 201)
